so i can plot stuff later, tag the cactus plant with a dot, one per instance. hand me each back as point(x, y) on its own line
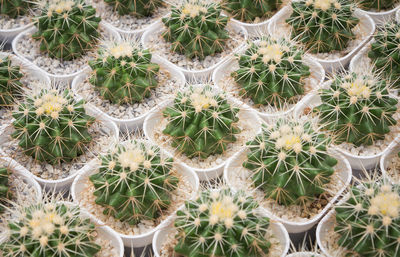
point(378, 5)
point(123, 73)
point(134, 182)
point(139, 8)
point(51, 126)
point(14, 8)
point(250, 10)
point(10, 82)
point(196, 28)
point(222, 223)
point(384, 52)
point(201, 122)
point(5, 192)
point(289, 161)
point(67, 29)
point(45, 229)
point(323, 25)
point(357, 108)
point(272, 71)
point(368, 221)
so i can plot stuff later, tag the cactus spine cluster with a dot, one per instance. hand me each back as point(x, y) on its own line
point(135, 182)
point(323, 25)
point(201, 122)
point(289, 161)
point(123, 73)
point(10, 82)
point(369, 222)
point(51, 126)
point(14, 8)
point(357, 108)
point(378, 5)
point(67, 29)
point(272, 71)
point(196, 28)
point(222, 223)
point(250, 10)
point(139, 8)
point(49, 229)
point(4, 186)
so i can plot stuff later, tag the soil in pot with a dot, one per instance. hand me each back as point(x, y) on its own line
point(7, 23)
point(393, 166)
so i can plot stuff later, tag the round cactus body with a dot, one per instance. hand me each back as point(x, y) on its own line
point(323, 25)
point(10, 82)
point(4, 186)
point(139, 8)
point(272, 72)
point(67, 29)
point(201, 122)
point(251, 10)
point(377, 5)
point(135, 182)
point(51, 126)
point(196, 28)
point(222, 223)
point(14, 8)
point(123, 73)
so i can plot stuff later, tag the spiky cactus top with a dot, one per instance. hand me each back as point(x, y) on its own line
point(14, 8)
point(357, 108)
point(123, 73)
point(272, 72)
point(385, 52)
point(368, 222)
point(201, 122)
point(222, 223)
point(135, 182)
point(10, 82)
point(289, 161)
point(323, 25)
point(377, 5)
point(49, 229)
point(4, 186)
point(140, 8)
point(250, 10)
point(196, 28)
point(67, 29)
point(51, 126)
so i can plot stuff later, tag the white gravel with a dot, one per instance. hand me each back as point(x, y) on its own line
point(393, 166)
point(7, 23)
point(107, 249)
point(330, 241)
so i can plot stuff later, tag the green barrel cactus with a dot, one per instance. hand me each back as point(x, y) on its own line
point(357, 108)
point(323, 25)
point(67, 29)
point(10, 82)
point(377, 5)
point(138, 8)
point(5, 192)
point(196, 28)
point(272, 72)
point(250, 10)
point(49, 229)
point(368, 221)
point(201, 122)
point(14, 8)
point(289, 161)
point(123, 73)
point(222, 223)
point(135, 182)
point(51, 126)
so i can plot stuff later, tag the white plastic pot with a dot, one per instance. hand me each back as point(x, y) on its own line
point(253, 29)
point(356, 63)
point(130, 240)
point(381, 17)
point(127, 125)
point(191, 74)
point(387, 155)
point(304, 254)
point(66, 78)
point(317, 71)
point(274, 28)
point(64, 183)
point(7, 35)
point(278, 229)
point(236, 162)
point(155, 117)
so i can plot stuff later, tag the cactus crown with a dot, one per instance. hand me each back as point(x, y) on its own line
point(323, 25)
point(271, 71)
point(135, 182)
point(250, 10)
point(123, 72)
point(51, 126)
point(368, 221)
point(10, 82)
point(357, 108)
point(196, 28)
point(139, 8)
point(222, 223)
point(201, 122)
point(378, 5)
point(384, 51)
point(289, 161)
point(14, 8)
point(67, 29)
point(5, 193)
point(45, 229)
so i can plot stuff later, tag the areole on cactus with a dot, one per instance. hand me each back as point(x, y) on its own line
point(139, 8)
point(10, 82)
point(250, 10)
